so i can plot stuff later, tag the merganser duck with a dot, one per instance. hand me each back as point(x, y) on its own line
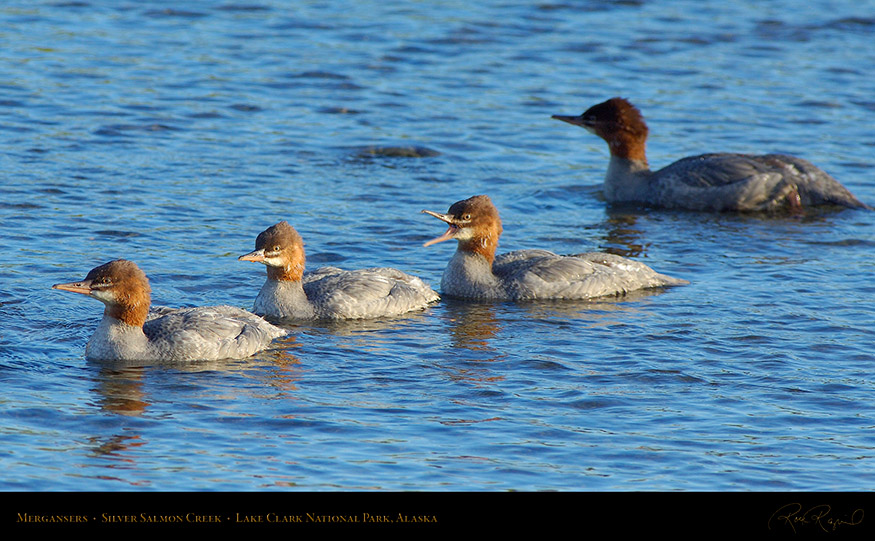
point(475, 272)
point(129, 331)
point(714, 182)
point(329, 292)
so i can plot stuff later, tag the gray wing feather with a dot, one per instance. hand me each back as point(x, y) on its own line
point(534, 274)
point(216, 332)
point(363, 293)
point(726, 181)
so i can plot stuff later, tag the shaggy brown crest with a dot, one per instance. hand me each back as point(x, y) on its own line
point(478, 218)
point(619, 112)
point(479, 211)
point(277, 236)
point(619, 123)
point(130, 288)
point(121, 286)
point(282, 238)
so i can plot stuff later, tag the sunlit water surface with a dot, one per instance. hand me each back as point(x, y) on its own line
point(173, 135)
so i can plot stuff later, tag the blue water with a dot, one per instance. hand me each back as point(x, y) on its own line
point(172, 133)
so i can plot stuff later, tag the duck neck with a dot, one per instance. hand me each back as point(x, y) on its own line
point(291, 272)
point(627, 179)
point(115, 339)
point(132, 311)
point(481, 245)
point(283, 299)
point(469, 273)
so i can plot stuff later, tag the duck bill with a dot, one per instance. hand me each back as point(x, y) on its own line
point(442, 217)
point(449, 235)
point(83, 287)
point(256, 256)
point(451, 232)
point(576, 120)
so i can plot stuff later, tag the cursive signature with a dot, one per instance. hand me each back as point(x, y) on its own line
point(817, 516)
